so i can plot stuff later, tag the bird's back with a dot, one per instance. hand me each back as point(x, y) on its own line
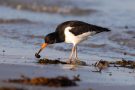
point(79, 27)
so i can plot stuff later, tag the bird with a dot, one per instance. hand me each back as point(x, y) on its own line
point(74, 32)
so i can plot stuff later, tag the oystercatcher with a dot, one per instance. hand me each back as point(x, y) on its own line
point(71, 32)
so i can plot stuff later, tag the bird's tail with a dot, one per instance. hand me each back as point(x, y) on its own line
point(99, 29)
point(106, 30)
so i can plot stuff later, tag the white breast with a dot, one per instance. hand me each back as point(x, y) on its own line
point(71, 38)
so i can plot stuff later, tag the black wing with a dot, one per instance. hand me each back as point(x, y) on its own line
point(85, 27)
point(80, 27)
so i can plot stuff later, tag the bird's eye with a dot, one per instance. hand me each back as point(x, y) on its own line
point(47, 40)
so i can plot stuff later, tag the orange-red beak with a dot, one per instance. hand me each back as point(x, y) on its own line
point(42, 47)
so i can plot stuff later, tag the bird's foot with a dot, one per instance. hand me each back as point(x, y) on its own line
point(72, 61)
point(76, 62)
point(69, 61)
point(79, 62)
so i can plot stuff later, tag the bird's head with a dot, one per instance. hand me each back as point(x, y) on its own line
point(49, 39)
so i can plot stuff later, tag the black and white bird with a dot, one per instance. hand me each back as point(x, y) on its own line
point(71, 32)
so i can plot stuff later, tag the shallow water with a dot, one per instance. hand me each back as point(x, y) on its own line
point(109, 14)
point(22, 32)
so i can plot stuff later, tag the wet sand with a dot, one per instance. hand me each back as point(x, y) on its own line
point(11, 71)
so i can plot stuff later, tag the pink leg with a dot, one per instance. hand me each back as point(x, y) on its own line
point(71, 55)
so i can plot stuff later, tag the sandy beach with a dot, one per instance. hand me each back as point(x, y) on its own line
point(23, 27)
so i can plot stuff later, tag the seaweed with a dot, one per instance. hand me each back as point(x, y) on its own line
point(10, 88)
point(102, 64)
point(49, 61)
point(60, 81)
point(57, 61)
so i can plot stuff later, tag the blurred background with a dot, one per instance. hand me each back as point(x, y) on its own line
point(24, 23)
